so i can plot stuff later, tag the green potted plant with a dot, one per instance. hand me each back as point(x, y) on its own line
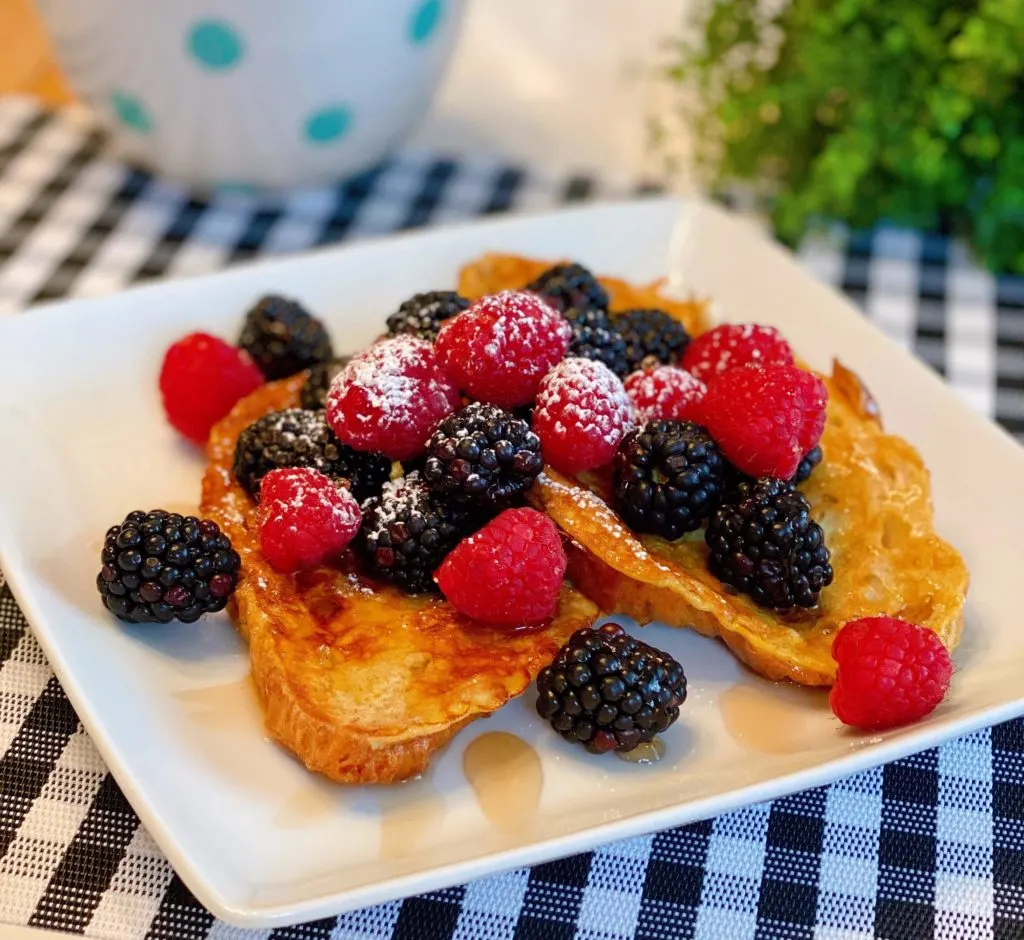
point(909, 111)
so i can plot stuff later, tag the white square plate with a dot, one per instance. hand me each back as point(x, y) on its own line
point(258, 839)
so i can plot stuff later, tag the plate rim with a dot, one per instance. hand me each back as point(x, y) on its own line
point(253, 914)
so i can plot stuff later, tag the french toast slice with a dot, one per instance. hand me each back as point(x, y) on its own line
point(357, 679)
point(871, 495)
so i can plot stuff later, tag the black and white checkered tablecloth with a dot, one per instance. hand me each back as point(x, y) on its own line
point(928, 846)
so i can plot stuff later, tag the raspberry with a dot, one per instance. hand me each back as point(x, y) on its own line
point(665, 392)
point(582, 414)
point(765, 418)
point(889, 673)
point(304, 518)
point(500, 349)
point(735, 344)
point(509, 573)
point(390, 398)
point(201, 380)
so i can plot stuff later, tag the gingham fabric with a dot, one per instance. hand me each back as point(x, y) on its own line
point(928, 846)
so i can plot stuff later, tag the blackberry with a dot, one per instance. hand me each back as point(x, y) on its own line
point(810, 460)
point(299, 438)
point(283, 337)
point(482, 455)
point(594, 337)
point(764, 543)
point(569, 287)
point(422, 314)
point(314, 390)
point(407, 532)
point(651, 334)
point(159, 566)
point(669, 476)
point(609, 691)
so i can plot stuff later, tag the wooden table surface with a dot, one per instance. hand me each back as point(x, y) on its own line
point(27, 63)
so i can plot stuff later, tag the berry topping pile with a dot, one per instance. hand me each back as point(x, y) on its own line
point(313, 394)
point(889, 673)
point(765, 419)
point(422, 314)
point(665, 392)
point(419, 453)
point(765, 544)
point(407, 532)
point(482, 456)
point(570, 289)
point(501, 347)
point(609, 691)
point(201, 380)
point(284, 338)
point(160, 566)
point(669, 477)
point(305, 518)
point(299, 438)
point(732, 345)
point(508, 573)
point(651, 336)
point(390, 398)
point(582, 414)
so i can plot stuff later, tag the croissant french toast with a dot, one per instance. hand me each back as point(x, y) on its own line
point(359, 680)
point(871, 495)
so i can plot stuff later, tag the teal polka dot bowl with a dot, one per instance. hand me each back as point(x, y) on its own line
point(243, 96)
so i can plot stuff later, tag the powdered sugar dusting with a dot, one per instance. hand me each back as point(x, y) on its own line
point(585, 398)
point(398, 498)
point(500, 348)
point(390, 397)
point(664, 392)
point(735, 344)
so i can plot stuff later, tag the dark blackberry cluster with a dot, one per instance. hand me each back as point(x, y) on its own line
point(482, 456)
point(160, 566)
point(669, 476)
point(764, 543)
point(422, 314)
point(609, 691)
point(313, 393)
point(299, 438)
point(283, 337)
point(651, 334)
point(594, 337)
point(570, 287)
point(806, 467)
point(407, 532)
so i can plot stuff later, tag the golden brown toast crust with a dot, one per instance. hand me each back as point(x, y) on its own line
point(360, 681)
point(871, 494)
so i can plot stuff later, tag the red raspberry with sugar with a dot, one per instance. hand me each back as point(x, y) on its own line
point(732, 345)
point(304, 518)
point(202, 378)
point(888, 673)
point(390, 398)
point(582, 413)
point(501, 347)
point(765, 419)
point(665, 392)
point(509, 572)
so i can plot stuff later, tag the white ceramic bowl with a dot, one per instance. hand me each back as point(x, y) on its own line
point(245, 94)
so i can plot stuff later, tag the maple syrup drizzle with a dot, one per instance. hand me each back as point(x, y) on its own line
point(770, 718)
point(647, 753)
point(507, 778)
point(229, 705)
point(306, 807)
point(410, 812)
